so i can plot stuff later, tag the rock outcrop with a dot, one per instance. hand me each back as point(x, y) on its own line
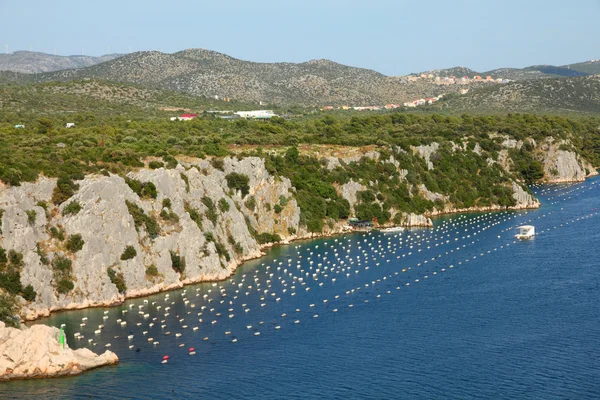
point(35, 352)
point(195, 228)
point(562, 165)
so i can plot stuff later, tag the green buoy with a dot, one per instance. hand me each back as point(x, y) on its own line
point(61, 338)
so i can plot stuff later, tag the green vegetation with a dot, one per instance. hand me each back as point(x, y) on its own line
point(151, 271)
point(166, 213)
point(250, 203)
point(31, 214)
point(8, 310)
point(211, 211)
point(65, 187)
point(223, 205)
point(268, 238)
point(117, 279)
point(75, 243)
point(141, 219)
point(43, 258)
point(128, 253)
point(237, 247)
point(142, 189)
point(239, 182)
point(62, 268)
point(11, 264)
point(186, 180)
point(194, 214)
point(72, 208)
point(156, 164)
point(57, 232)
point(177, 262)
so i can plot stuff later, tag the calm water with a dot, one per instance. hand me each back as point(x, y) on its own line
point(483, 316)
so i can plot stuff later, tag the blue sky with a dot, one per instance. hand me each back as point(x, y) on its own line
point(392, 37)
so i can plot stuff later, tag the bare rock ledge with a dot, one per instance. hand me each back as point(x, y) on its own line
point(36, 353)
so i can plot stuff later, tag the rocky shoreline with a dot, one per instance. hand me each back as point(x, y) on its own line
point(203, 224)
point(36, 352)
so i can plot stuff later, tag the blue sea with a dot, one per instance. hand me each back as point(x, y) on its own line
point(459, 311)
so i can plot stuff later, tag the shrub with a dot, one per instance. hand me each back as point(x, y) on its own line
point(1, 215)
point(128, 253)
point(140, 218)
point(29, 293)
point(72, 208)
point(152, 270)
point(217, 163)
point(117, 279)
point(211, 212)
point(62, 269)
point(142, 189)
point(283, 201)
point(265, 237)
point(15, 258)
point(64, 285)
point(75, 243)
point(62, 264)
point(277, 208)
point(65, 188)
point(31, 214)
point(43, 258)
point(166, 203)
point(209, 237)
point(8, 310)
point(221, 251)
point(237, 181)
point(250, 203)
point(177, 262)
point(186, 180)
point(194, 215)
point(156, 164)
point(236, 246)
point(171, 161)
point(169, 215)
point(57, 233)
point(223, 205)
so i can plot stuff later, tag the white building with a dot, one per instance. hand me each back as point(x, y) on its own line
point(261, 114)
point(70, 124)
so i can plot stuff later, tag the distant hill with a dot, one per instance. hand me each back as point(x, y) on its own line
point(33, 62)
point(527, 73)
point(209, 73)
point(98, 99)
point(589, 67)
point(552, 95)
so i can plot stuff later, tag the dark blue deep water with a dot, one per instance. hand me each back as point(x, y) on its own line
point(459, 311)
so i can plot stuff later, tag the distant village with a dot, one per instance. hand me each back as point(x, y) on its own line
point(437, 80)
point(440, 81)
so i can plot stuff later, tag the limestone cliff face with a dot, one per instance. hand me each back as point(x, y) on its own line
point(561, 165)
point(211, 249)
point(36, 353)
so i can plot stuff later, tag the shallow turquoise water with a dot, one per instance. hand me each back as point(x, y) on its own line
point(488, 318)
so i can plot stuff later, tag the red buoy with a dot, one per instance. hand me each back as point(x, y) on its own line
point(165, 357)
point(191, 349)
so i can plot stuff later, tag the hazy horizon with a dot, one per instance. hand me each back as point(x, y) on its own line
point(394, 38)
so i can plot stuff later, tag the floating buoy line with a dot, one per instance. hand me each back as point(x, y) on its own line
point(341, 263)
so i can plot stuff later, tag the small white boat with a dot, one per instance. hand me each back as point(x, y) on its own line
point(525, 232)
point(392, 229)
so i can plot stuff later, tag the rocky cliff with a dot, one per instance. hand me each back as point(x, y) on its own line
point(36, 353)
point(108, 241)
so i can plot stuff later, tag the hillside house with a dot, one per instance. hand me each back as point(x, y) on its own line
point(70, 124)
